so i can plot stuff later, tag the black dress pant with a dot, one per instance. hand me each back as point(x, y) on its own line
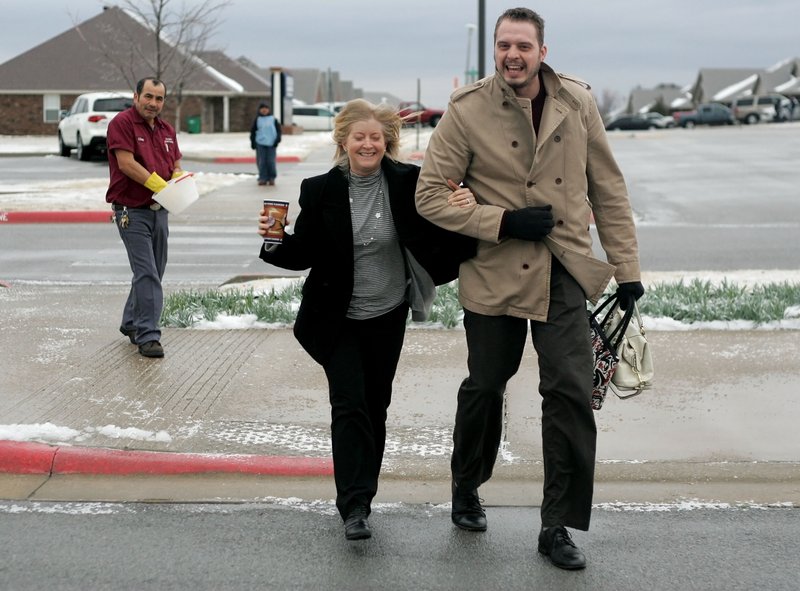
point(569, 433)
point(360, 374)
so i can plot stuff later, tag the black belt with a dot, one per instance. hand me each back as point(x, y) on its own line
point(152, 206)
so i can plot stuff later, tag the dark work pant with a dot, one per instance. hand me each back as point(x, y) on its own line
point(145, 239)
point(266, 158)
point(569, 433)
point(360, 374)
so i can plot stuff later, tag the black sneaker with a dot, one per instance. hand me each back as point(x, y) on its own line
point(129, 332)
point(151, 349)
point(556, 543)
point(356, 526)
point(467, 512)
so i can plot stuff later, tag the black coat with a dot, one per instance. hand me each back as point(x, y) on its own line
point(323, 241)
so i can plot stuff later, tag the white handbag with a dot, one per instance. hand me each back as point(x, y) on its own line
point(634, 372)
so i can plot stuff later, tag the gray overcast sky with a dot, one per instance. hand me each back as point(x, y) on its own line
point(385, 46)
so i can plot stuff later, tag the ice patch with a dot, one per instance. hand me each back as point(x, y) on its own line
point(66, 508)
point(50, 433)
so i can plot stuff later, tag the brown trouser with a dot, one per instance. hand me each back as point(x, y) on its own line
point(569, 433)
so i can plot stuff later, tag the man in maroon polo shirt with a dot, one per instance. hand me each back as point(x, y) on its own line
point(142, 152)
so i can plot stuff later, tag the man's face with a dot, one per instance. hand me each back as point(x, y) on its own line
point(263, 111)
point(151, 100)
point(518, 56)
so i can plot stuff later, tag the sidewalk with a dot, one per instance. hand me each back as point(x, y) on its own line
point(237, 415)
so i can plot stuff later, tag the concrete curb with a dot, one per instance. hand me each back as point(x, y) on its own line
point(56, 217)
point(248, 159)
point(39, 458)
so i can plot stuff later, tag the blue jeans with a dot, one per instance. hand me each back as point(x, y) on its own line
point(145, 239)
point(265, 160)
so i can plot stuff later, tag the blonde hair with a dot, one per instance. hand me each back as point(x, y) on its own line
point(361, 110)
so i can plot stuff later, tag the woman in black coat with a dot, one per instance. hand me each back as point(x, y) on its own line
point(371, 257)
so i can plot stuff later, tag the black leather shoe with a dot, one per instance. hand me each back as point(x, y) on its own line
point(556, 543)
point(356, 526)
point(467, 512)
point(130, 333)
point(151, 349)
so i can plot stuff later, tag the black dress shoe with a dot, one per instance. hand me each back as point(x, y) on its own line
point(151, 349)
point(356, 526)
point(556, 543)
point(467, 512)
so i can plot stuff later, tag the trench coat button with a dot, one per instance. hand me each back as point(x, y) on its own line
point(505, 103)
point(530, 183)
point(514, 144)
point(560, 222)
point(526, 266)
point(558, 181)
point(557, 139)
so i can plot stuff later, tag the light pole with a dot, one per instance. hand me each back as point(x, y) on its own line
point(468, 72)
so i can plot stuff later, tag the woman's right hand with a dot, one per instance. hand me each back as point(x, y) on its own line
point(265, 222)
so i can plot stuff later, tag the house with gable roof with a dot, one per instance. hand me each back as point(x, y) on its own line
point(38, 84)
point(719, 85)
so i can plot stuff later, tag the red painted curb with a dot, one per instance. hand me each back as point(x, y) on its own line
point(55, 217)
point(251, 159)
point(34, 458)
point(21, 457)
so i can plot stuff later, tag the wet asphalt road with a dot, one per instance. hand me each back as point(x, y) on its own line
point(267, 546)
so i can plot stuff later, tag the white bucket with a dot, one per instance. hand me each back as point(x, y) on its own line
point(179, 193)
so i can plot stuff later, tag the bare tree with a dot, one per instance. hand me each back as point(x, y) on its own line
point(181, 34)
point(607, 102)
point(175, 38)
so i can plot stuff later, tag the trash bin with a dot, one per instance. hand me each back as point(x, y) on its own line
point(193, 124)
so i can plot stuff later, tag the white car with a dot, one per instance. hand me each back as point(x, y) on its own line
point(312, 118)
point(83, 127)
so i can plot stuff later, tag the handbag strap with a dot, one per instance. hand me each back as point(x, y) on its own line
point(616, 336)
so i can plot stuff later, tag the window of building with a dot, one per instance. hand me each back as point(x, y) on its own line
point(52, 106)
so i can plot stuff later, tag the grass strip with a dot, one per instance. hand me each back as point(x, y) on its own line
point(694, 301)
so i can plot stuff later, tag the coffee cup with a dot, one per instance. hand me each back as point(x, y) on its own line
point(278, 211)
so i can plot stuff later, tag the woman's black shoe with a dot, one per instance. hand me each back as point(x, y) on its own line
point(356, 526)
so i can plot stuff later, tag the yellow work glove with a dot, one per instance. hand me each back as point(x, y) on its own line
point(155, 183)
point(177, 172)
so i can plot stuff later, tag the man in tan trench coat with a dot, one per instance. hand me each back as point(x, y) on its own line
point(531, 146)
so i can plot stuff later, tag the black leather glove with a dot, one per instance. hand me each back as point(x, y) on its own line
point(528, 223)
point(628, 293)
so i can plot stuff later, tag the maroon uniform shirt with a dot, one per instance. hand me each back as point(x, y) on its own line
point(156, 149)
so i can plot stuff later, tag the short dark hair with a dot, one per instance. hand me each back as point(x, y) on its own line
point(522, 14)
point(155, 81)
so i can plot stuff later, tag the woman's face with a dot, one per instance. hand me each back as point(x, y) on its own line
point(365, 146)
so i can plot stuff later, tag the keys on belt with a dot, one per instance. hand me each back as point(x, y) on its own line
point(152, 206)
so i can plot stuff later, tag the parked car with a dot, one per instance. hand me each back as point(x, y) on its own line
point(335, 106)
point(631, 122)
point(313, 118)
point(708, 114)
point(662, 121)
point(762, 109)
point(417, 112)
point(84, 126)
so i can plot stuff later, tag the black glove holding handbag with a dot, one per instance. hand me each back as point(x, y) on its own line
point(628, 293)
point(528, 223)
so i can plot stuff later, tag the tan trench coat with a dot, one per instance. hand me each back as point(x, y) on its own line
point(486, 139)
